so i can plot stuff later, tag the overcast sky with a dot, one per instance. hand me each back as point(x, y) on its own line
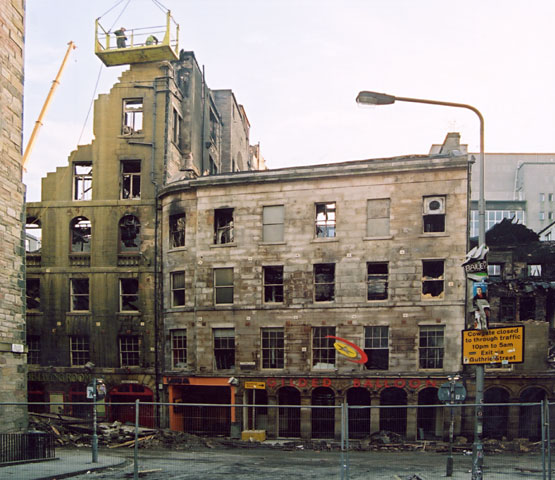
point(297, 66)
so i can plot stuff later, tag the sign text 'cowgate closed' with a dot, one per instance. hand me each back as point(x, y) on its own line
point(503, 345)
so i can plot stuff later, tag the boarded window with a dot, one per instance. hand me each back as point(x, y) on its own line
point(323, 351)
point(223, 286)
point(273, 348)
point(273, 284)
point(432, 278)
point(129, 294)
point(178, 289)
point(430, 350)
point(324, 282)
point(272, 223)
point(223, 226)
point(79, 294)
point(377, 280)
point(82, 181)
point(177, 230)
point(224, 348)
point(325, 220)
point(80, 234)
point(377, 221)
point(376, 347)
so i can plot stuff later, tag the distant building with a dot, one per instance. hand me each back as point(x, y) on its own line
point(12, 269)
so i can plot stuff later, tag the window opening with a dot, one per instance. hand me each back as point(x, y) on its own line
point(33, 235)
point(377, 221)
point(273, 223)
point(273, 284)
point(129, 294)
point(223, 226)
point(79, 294)
point(178, 289)
point(527, 308)
point(79, 349)
point(129, 350)
point(534, 270)
point(431, 347)
point(130, 179)
point(377, 278)
point(33, 349)
point(273, 348)
point(324, 282)
point(82, 181)
point(323, 351)
point(434, 214)
point(494, 270)
point(325, 220)
point(176, 133)
point(130, 230)
point(224, 348)
point(179, 348)
point(223, 285)
point(80, 234)
point(376, 347)
point(177, 230)
point(32, 293)
point(507, 309)
point(132, 116)
point(432, 278)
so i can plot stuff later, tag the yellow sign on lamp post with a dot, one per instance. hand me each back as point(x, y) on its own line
point(503, 345)
point(255, 385)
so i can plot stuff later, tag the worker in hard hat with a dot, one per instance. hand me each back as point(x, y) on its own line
point(120, 37)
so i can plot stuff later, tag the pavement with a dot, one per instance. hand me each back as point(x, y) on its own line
point(68, 463)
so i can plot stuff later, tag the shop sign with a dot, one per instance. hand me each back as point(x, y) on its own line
point(255, 385)
point(58, 377)
point(368, 383)
point(503, 345)
point(348, 349)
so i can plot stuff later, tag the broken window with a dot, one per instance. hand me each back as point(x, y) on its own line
point(534, 270)
point(377, 280)
point(494, 270)
point(80, 234)
point(79, 294)
point(223, 286)
point(130, 234)
point(377, 217)
point(224, 348)
point(129, 295)
point(325, 220)
point(130, 179)
point(432, 278)
point(32, 293)
point(132, 116)
point(79, 350)
point(273, 284)
point(179, 348)
point(272, 223)
point(376, 347)
point(33, 349)
point(129, 351)
point(273, 348)
point(323, 351)
point(430, 348)
point(213, 167)
point(324, 282)
point(82, 181)
point(177, 230)
point(33, 235)
point(178, 289)
point(223, 226)
point(507, 309)
point(527, 308)
point(434, 214)
point(176, 128)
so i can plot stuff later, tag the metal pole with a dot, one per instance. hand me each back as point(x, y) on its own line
point(342, 441)
point(94, 435)
point(136, 449)
point(548, 428)
point(449, 471)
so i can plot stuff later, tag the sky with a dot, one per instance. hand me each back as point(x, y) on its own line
point(298, 65)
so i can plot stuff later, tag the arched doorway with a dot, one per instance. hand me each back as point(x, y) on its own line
point(36, 393)
point(529, 416)
point(257, 417)
point(129, 393)
point(289, 418)
point(323, 419)
point(359, 418)
point(429, 420)
point(496, 418)
point(393, 419)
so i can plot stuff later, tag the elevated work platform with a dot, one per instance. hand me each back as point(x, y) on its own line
point(140, 45)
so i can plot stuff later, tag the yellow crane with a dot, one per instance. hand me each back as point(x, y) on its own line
point(38, 123)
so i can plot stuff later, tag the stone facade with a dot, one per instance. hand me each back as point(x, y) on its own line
point(12, 271)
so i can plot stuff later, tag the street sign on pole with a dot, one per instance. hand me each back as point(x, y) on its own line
point(503, 345)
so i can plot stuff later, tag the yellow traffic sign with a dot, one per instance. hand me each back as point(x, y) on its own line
point(497, 345)
point(255, 385)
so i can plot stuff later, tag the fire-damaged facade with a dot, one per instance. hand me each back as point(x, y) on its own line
point(520, 291)
point(314, 286)
point(94, 283)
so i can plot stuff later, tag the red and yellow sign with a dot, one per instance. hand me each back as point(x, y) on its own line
point(348, 349)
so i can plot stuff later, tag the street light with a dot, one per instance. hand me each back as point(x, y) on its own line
point(375, 98)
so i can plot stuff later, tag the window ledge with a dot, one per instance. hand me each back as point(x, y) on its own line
point(272, 243)
point(434, 234)
point(385, 237)
point(78, 312)
point(129, 312)
point(177, 249)
point(324, 239)
point(223, 245)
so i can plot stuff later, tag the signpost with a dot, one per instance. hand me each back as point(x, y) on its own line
point(503, 345)
point(254, 386)
point(451, 392)
point(96, 390)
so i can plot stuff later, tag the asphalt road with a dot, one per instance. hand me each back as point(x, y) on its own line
point(277, 464)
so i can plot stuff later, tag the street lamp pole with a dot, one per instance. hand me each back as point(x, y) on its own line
point(375, 98)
